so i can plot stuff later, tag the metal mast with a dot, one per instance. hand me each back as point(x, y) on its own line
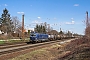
point(87, 22)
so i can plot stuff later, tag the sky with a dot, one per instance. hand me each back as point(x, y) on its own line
point(65, 14)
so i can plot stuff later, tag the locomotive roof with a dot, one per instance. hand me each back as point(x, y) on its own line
point(38, 33)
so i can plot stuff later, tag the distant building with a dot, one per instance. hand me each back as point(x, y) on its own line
point(31, 29)
point(54, 32)
point(0, 32)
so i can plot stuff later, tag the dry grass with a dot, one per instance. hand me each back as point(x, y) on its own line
point(3, 37)
point(47, 53)
point(79, 50)
point(34, 55)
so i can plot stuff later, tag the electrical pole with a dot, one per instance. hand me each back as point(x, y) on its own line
point(23, 26)
point(86, 18)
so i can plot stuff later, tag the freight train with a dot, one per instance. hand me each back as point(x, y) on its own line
point(39, 37)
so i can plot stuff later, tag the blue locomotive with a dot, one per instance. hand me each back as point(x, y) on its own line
point(38, 37)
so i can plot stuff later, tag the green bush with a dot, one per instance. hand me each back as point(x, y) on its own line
point(2, 42)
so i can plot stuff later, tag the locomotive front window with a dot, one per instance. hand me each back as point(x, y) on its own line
point(33, 35)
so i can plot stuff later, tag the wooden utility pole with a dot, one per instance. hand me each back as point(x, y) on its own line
point(23, 26)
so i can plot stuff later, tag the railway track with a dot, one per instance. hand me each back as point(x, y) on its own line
point(6, 44)
point(10, 49)
point(12, 45)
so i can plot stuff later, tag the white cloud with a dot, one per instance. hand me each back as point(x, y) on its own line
point(39, 17)
point(68, 23)
point(76, 4)
point(71, 18)
point(72, 22)
point(36, 22)
point(5, 5)
point(20, 12)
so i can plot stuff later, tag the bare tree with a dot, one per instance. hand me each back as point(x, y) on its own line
point(87, 30)
point(17, 24)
